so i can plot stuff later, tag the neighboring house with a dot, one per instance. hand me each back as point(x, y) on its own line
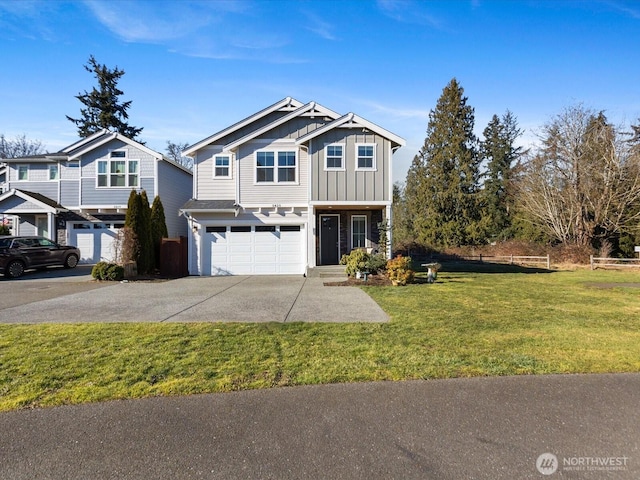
point(79, 196)
point(288, 188)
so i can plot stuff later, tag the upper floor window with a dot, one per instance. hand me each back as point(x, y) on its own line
point(334, 157)
point(118, 173)
point(53, 172)
point(365, 156)
point(268, 171)
point(222, 166)
point(23, 172)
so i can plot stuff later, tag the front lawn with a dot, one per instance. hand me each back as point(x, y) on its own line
point(467, 324)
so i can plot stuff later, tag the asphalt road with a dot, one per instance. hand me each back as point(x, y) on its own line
point(479, 428)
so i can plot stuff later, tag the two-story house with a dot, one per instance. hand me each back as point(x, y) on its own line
point(289, 188)
point(79, 196)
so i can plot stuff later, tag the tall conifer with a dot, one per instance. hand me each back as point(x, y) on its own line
point(443, 181)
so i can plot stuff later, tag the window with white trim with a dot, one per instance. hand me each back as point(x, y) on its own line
point(366, 156)
point(222, 166)
point(268, 171)
point(118, 171)
point(358, 231)
point(334, 157)
point(53, 172)
point(23, 172)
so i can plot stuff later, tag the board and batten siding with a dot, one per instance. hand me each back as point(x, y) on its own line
point(350, 184)
point(208, 187)
point(252, 193)
point(175, 189)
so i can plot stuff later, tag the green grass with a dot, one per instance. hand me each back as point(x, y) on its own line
point(467, 324)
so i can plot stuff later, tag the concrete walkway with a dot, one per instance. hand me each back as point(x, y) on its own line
point(479, 428)
point(205, 299)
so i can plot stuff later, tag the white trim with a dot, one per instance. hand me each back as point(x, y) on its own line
point(343, 166)
point(18, 179)
point(127, 161)
point(116, 136)
point(84, 141)
point(277, 167)
point(229, 166)
point(309, 107)
point(359, 215)
point(28, 198)
point(285, 103)
point(351, 120)
point(373, 167)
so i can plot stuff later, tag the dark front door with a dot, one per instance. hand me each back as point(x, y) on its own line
point(329, 239)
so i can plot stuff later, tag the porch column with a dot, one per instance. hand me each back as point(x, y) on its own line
point(389, 224)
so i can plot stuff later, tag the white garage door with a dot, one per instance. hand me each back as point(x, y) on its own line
point(253, 250)
point(95, 240)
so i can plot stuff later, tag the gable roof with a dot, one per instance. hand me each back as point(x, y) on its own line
point(287, 103)
point(41, 200)
point(309, 108)
point(351, 120)
point(105, 137)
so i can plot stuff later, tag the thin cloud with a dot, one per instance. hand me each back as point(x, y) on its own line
point(624, 8)
point(318, 26)
point(409, 11)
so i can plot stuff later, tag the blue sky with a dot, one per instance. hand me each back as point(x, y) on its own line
point(193, 68)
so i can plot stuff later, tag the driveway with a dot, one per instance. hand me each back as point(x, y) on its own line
point(285, 298)
point(478, 428)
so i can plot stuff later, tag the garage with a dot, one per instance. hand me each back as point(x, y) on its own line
point(253, 250)
point(95, 240)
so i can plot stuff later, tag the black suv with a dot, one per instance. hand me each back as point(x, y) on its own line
point(18, 254)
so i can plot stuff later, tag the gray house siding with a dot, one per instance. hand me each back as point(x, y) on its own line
point(70, 193)
point(175, 187)
point(28, 225)
point(48, 189)
point(92, 195)
point(350, 184)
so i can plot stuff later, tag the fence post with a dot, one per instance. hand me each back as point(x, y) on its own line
point(548, 262)
point(511, 259)
point(591, 261)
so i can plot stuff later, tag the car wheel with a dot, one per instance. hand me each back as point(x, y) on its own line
point(14, 269)
point(71, 261)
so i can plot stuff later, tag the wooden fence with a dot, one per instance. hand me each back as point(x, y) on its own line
point(597, 262)
point(504, 259)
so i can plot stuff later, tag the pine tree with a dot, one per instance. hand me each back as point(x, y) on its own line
point(499, 151)
point(103, 107)
point(158, 228)
point(443, 181)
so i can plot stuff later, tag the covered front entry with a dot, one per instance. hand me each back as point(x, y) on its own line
point(253, 249)
point(329, 239)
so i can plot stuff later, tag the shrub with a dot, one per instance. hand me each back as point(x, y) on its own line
point(361, 261)
point(4, 230)
point(107, 271)
point(399, 270)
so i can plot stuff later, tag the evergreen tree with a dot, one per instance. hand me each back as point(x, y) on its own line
point(158, 228)
point(147, 256)
point(443, 181)
point(138, 221)
point(499, 151)
point(103, 108)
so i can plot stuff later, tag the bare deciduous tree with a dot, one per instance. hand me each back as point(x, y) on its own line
point(19, 147)
point(582, 185)
point(174, 152)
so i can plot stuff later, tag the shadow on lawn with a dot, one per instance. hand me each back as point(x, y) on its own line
point(481, 267)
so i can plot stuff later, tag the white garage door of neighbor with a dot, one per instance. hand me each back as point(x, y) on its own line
point(95, 241)
point(253, 250)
